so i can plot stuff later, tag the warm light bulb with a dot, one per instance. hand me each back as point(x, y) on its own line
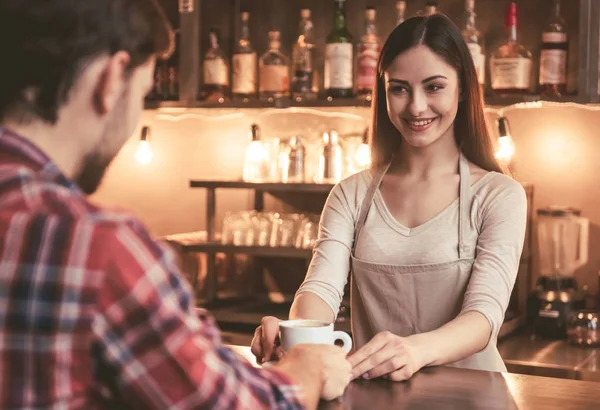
point(505, 149)
point(256, 151)
point(144, 153)
point(363, 156)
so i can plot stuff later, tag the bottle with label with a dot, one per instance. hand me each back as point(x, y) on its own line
point(554, 55)
point(273, 68)
point(400, 12)
point(244, 61)
point(511, 63)
point(474, 41)
point(367, 57)
point(215, 71)
point(339, 59)
point(302, 60)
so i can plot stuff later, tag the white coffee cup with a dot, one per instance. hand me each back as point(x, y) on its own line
point(299, 331)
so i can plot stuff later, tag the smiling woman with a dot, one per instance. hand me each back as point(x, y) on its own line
point(432, 234)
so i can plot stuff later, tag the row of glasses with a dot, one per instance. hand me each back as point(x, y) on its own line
point(274, 229)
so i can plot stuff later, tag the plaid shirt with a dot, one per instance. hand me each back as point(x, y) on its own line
point(95, 315)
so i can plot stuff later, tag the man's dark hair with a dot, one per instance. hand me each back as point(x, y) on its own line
point(44, 45)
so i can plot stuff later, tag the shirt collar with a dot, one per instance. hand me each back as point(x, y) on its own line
point(14, 145)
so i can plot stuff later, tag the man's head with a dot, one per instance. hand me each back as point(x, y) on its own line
point(81, 67)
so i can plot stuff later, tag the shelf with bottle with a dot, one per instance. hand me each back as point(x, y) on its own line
point(348, 65)
point(490, 100)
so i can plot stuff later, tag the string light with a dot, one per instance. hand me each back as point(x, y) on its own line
point(505, 148)
point(180, 114)
point(362, 156)
point(144, 153)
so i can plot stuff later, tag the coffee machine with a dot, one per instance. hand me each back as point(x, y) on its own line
point(562, 236)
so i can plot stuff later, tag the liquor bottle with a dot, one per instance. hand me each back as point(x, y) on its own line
point(243, 82)
point(339, 56)
point(274, 70)
point(400, 11)
point(172, 72)
point(302, 60)
point(368, 56)
point(430, 9)
point(215, 70)
point(554, 55)
point(474, 41)
point(511, 63)
point(330, 168)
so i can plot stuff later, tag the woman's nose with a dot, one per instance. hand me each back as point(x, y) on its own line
point(417, 104)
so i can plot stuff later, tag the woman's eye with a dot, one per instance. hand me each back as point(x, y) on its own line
point(398, 90)
point(434, 88)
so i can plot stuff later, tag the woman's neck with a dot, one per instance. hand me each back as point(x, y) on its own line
point(438, 158)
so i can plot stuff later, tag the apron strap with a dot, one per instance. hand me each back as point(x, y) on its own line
point(366, 203)
point(463, 205)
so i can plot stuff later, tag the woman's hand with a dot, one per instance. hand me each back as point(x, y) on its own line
point(265, 344)
point(394, 357)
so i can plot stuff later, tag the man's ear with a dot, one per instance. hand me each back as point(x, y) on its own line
point(111, 81)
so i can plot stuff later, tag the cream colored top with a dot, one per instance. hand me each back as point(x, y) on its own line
point(498, 209)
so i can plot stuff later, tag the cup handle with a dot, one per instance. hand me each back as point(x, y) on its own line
point(345, 338)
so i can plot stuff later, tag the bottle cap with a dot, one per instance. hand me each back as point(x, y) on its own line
point(510, 19)
point(370, 13)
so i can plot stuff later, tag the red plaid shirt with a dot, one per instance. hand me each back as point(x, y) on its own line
point(95, 315)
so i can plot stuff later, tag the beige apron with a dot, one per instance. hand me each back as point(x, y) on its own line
point(409, 299)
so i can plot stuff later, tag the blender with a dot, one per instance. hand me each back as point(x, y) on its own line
point(563, 248)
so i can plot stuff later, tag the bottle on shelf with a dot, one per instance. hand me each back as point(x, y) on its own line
point(303, 80)
point(474, 41)
point(367, 57)
point(292, 166)
point(273, 67)
point(400, 12)
point(330, 168)
point(172, 73)
point(554, 55)
point(511, 62)
point(256, 158)
point(244, 62)
point(339, 60)
point(430, 9)
point(215, 71)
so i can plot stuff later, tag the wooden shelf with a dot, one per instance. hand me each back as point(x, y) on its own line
point(266, 186)
point(490, 100)
point(278, 103)
point(216, 247)
point(506, 100)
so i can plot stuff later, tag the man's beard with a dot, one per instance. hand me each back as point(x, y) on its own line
point(95, 163)
point(93, 168)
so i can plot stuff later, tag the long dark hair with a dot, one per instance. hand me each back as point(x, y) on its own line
point(442, 36)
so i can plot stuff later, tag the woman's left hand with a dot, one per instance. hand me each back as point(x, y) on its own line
point(397, 358)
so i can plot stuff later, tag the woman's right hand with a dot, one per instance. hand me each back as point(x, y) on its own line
point(265, 343)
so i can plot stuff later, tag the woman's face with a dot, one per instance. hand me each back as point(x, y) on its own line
point(422, 93)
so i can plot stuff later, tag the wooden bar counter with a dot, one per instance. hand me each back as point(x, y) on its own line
point(445, 388)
